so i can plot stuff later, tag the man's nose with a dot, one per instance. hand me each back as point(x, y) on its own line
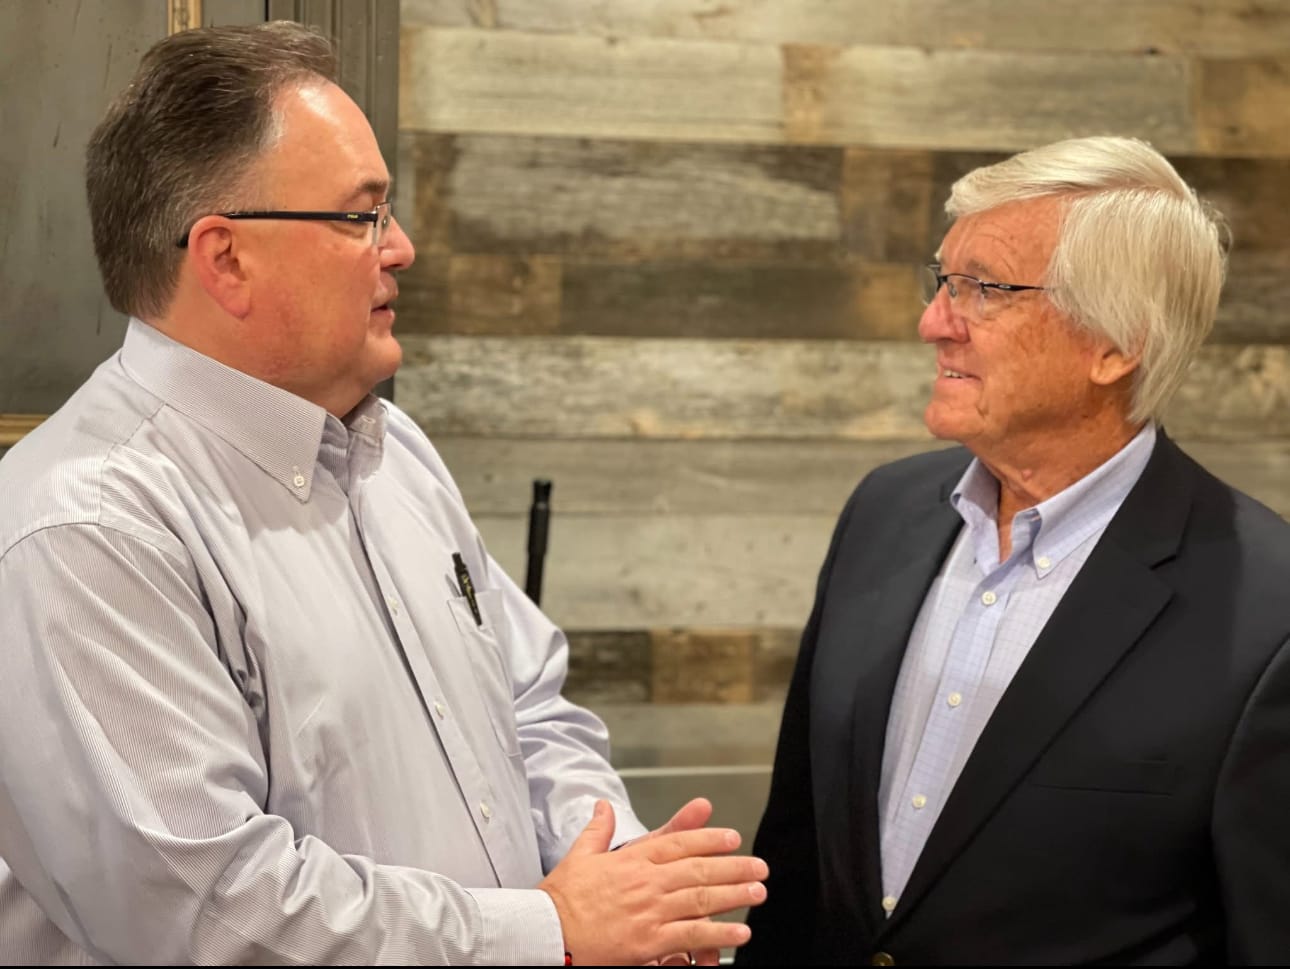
point(941, 321)
point(397, 251)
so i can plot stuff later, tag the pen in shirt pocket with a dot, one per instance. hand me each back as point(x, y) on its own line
point(467, 587)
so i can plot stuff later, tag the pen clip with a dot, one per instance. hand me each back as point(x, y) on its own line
point(467, 587)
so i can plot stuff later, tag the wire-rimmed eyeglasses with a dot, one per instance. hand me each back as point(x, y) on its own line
point(380, 218)
point(975, 297)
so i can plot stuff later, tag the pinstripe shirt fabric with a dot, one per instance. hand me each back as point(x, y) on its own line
point(978, 622)
point(245, 713)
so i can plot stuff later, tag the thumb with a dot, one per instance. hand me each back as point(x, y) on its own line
point(598, 833)
point(692, 816)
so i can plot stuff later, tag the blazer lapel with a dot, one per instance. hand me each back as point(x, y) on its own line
point(1109, 606)
point(888, 617)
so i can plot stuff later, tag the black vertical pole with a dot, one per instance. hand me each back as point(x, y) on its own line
point(539, 517)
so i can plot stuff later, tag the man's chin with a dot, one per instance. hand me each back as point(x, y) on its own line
point(942, 426)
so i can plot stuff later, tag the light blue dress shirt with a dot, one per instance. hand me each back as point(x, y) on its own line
point(245, 713)
point(978, 622)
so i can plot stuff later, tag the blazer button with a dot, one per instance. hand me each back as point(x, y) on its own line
point(882, 959)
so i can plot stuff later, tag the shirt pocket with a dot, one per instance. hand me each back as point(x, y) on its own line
point(483, 645)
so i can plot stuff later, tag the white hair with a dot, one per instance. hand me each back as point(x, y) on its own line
point(1139, 259)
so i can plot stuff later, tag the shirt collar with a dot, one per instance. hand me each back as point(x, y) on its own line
point(278, 431)
point(1060, 524)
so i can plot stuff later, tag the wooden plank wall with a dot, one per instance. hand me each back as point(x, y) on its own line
point(666, 258)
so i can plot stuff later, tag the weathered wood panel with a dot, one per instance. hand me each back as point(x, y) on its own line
point(888, 209)
point(1241, 106)
point(907, 97)
point(800, 300)
point(1217, 27)
point(660, 478)
point(642, 739)
point(669, 665)
point(512, 296)
point(480, 295)
point(485, 81)
point(633, 572)
point(626, 199)
point(843, 299)
point(612, 387)
point(650, 477)
point(522, 83)
point(1255, 307)
point(576, 387)
point(1252, 193)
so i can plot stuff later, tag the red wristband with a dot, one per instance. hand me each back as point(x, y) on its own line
point(568, 958)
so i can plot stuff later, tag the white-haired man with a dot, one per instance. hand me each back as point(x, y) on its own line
point(1041, 710)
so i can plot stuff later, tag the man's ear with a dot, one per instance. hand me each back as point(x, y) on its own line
point(1111, 364)
point(218, 262)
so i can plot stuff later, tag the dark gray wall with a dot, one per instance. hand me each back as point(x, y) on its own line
point(60, 64)
point(61, 61)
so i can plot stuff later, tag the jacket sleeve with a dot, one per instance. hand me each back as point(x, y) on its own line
point(782, 926)
point(1250, 833)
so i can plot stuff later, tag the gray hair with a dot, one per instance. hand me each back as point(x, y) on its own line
point(1140, 259)
point(178, 144)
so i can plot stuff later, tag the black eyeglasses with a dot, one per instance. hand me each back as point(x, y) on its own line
point(979, 298)
point(380, 218)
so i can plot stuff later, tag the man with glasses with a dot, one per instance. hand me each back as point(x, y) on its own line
point(264, 696)
point(1041, 711)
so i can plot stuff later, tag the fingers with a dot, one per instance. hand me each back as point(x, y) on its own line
point(702, 934)
point(676, 959)
point(598, 833)
point(728, 870)
point(700, 901)
point(706, 957)
point(664, 848)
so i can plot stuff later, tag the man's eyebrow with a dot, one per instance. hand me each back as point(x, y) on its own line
point(376, 187)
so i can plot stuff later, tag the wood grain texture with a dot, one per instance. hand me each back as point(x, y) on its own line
point(831, 300)
point(605, 387)
point(629, 571)
point(626, 199)
point(1216, 27)
point(652, 477)
point(1253, 308)
point(481, 295)
point(665, 388)
point(1240, 106)
point(684, 478)
point(489, 81)
point(681, 665)
point(897, 97)
point(888, 210)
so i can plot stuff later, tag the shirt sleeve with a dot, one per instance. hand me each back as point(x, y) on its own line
point(133, 780)
point(565, 746)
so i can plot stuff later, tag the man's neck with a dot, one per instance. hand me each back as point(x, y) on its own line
point(1028, 478)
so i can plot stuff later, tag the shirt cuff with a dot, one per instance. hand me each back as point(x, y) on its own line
point(520, 927)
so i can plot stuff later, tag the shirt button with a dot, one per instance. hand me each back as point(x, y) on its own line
point(299, 479)
point(440, 709)
point(989, 598)
point(485, 810)
point(954, 699)
point(920, 801)
point(394, 605)
point(889, 904)
point(1044, 562)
